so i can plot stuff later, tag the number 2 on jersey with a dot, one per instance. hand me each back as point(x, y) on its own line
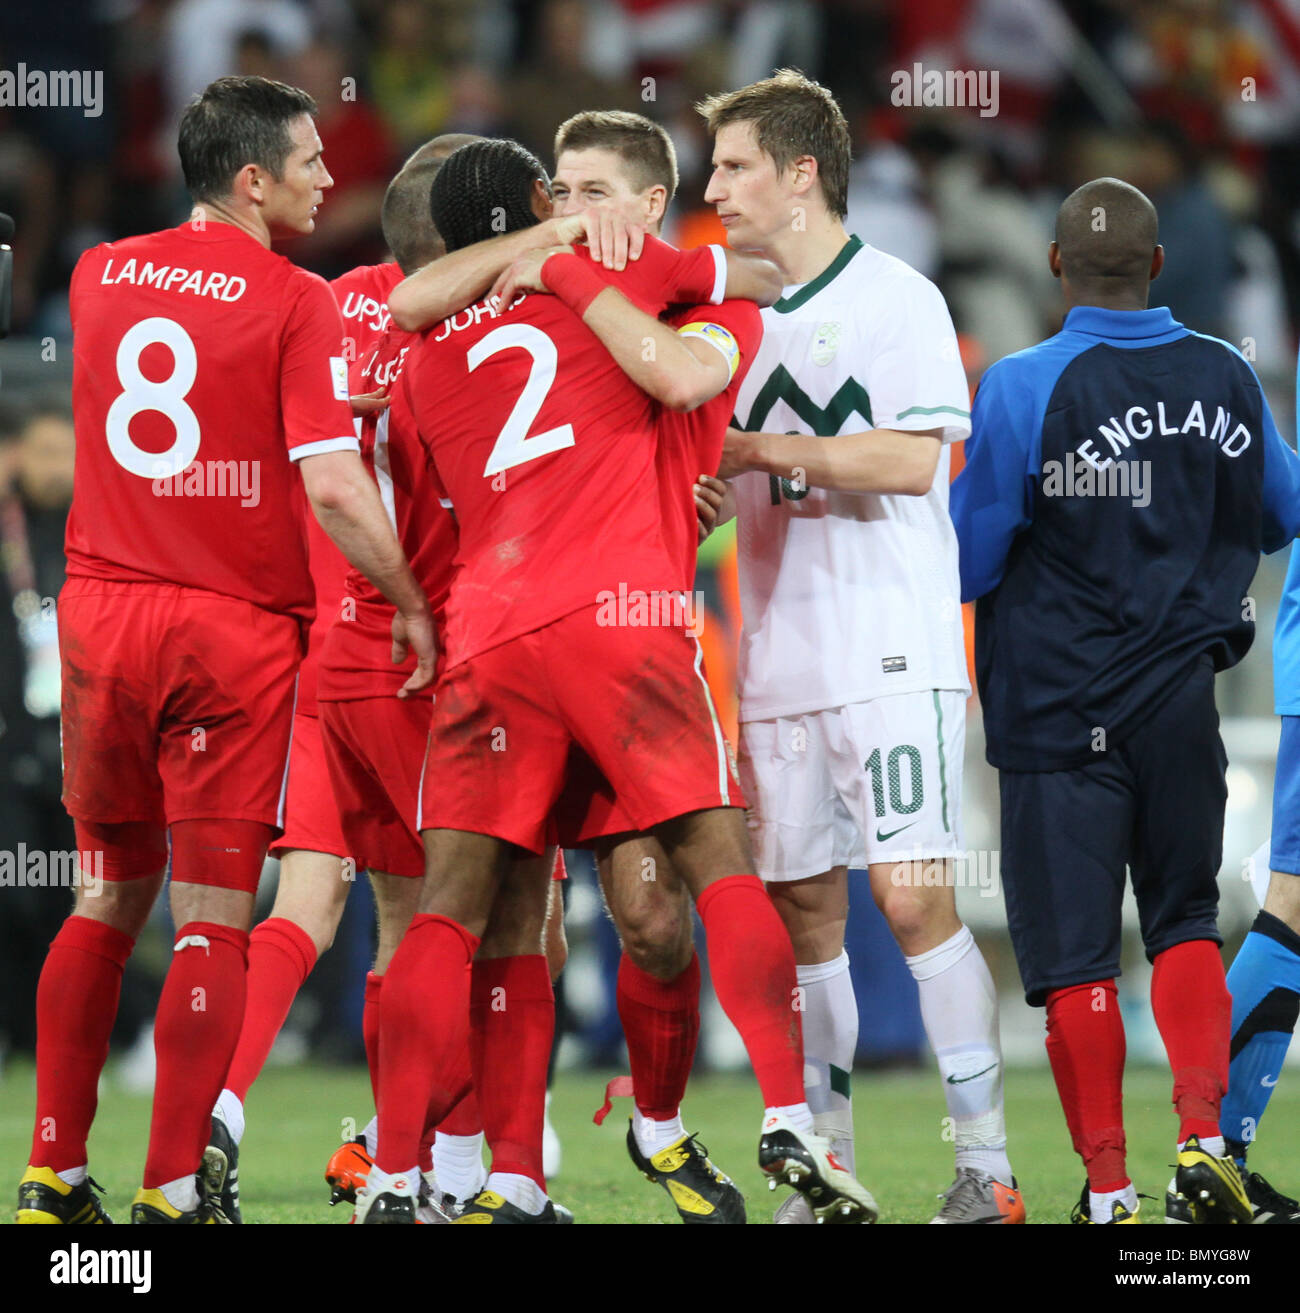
point(514, 446)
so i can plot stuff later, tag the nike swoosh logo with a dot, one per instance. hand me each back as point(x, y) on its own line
point(880, 838)
point(961, 1080)
point(1268, 1084)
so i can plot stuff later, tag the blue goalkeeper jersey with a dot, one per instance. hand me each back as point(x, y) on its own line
point(1121, 480)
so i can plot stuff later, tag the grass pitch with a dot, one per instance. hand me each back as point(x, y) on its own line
point(297, 1115)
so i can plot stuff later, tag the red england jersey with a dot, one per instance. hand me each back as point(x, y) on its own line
point(546, 450)
point(203, 365)
point(362, 296)
point(357, 656)
point(690, 441)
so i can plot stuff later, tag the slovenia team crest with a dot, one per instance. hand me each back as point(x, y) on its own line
point(825, 343)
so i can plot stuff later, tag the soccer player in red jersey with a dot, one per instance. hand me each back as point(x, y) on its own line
point(212, 369)
point(625, 164)
point(524, 413)
point(315, 869)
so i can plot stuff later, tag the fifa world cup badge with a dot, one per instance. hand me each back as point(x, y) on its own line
point(826, 342)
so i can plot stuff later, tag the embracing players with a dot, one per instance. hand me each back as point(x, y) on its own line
point(620, 164)
point(533, 674)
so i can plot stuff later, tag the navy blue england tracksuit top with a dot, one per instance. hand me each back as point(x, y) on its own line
point(1100, 586)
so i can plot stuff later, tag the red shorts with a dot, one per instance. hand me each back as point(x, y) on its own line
point(375, 748)
point(177, 703)
point(587, 809)
point(632, 698)
point(311, 816)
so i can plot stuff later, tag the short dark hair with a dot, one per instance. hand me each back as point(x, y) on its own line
point(792, 116)
point(405, 217)
point(483, 190)
point(237, 121)
point(642, 144)
point(1106, 233)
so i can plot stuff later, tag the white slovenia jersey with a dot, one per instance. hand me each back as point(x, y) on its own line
point(850, 596)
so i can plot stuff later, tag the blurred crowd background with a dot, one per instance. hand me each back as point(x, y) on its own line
point(1195, 101)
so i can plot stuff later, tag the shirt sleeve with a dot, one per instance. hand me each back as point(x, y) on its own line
point(915, 377)
point(1286, 644)
point(314, 405)
point(734, 328)
point(992, 498)
point(1281, 486)
point(666, 276)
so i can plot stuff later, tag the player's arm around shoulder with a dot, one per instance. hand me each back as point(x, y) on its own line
point(458, 279)
point(681, 370)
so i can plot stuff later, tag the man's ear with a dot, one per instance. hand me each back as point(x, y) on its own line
point(1157, 262)
point(249, 185)
point(1054, 260)
point(805, 174)
point(543, 204)
point(656, 204)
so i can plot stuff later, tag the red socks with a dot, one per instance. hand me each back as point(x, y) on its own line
point(423, 1026)
point(512, 1026)
point(661, 1022)
point(76, 1003)
point(1193, 1010)
point(280, 957)
point(199, 1018)
point(751, 962)
point(465, 1118)
point(370, 1030)
point(1085, 1044)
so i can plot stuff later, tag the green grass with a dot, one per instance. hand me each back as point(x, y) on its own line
point(297, 1115)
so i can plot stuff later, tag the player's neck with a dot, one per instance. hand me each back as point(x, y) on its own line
point(1134, 300)
point(801, 254)
point(206, 212)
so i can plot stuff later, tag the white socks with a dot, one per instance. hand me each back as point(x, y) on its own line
point(651, 1136)
point(960, 1009)
point(73, 1175)
point(1214, 1145)
point(458, 1161)
point(183, 1193)
point(830, 1039)
point(799, 1115)
point(231, 1111)
point(522, 1191)
point(1099, 1205)
point(370, 1134)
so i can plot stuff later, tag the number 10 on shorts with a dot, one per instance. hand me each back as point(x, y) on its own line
point(889, 774)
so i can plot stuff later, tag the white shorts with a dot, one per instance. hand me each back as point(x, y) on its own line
point(876, 781)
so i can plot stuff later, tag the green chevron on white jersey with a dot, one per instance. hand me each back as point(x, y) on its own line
point(850, 596)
